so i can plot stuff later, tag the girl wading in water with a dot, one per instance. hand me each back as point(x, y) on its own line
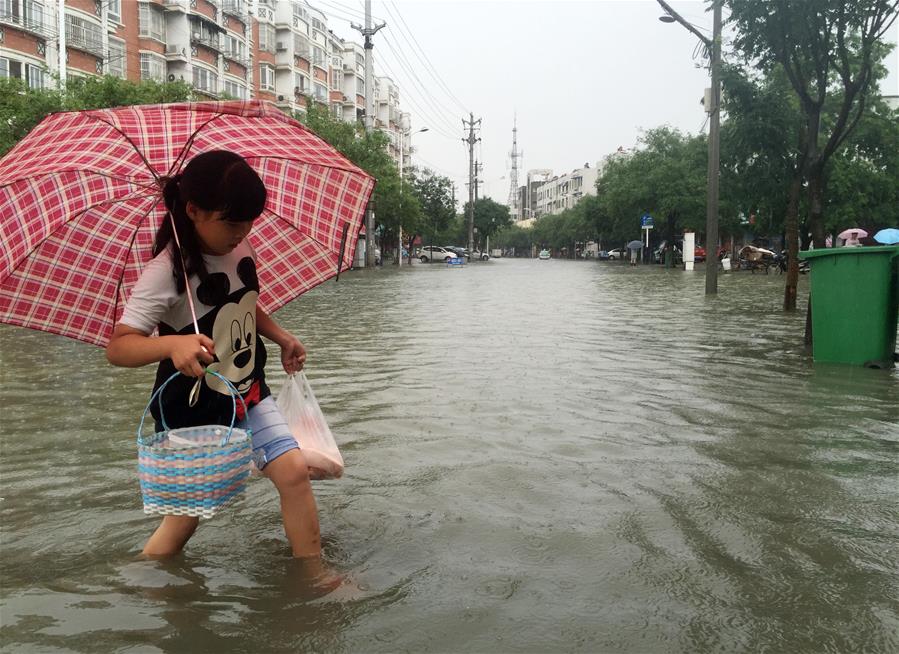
point(213, 205)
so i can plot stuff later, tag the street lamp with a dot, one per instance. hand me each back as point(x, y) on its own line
point(403, 136)
point(714, 110)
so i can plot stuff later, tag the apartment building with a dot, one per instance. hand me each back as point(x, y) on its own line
point(562, 192)
point(281, 51)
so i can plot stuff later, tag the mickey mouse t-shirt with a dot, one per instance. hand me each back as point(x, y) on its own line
point(225, 304)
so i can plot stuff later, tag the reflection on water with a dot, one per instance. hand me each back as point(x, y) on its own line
point(541, 456)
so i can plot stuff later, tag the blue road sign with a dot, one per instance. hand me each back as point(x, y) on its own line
point(645, 220)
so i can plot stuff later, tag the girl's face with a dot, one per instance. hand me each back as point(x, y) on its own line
point(217, 235)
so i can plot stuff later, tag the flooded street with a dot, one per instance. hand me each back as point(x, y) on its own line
point(542, 456)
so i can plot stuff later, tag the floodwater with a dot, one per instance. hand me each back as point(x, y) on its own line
point(542, 456)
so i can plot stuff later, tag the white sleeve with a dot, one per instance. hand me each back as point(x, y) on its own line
point(153, 295)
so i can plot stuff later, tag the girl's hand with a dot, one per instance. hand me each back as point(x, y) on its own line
point(293, 354)
point(192, 353)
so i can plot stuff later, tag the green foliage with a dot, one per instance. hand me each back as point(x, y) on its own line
point(21, 108)
point(667, 175)
point(863, 177)
point(513, 236)
point(489, 217)
point(435, 196)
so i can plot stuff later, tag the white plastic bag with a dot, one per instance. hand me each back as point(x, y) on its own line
point(308, 425)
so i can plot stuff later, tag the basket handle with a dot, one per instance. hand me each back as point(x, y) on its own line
point(235, 395)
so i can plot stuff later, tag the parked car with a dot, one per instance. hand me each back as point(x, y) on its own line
point(433, 253)
point(617, 253)
point(699, 252)
point(480, 256)
point(460, 251)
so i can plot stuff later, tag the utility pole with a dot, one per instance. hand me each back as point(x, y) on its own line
point(711, 219)
point(368, 31)
point(478, 167)
point(713, 45)
point(471, 140)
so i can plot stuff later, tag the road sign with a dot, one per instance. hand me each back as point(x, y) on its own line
point(646, 221)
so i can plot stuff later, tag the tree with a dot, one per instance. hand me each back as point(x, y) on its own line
point(435, 197)
point(489, 217)
point(368, 150)
point(21, 107)
point(666, 176)
point(830, 51)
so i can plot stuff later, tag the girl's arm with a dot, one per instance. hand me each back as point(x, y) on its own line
point(131, 348)
point(293, 354)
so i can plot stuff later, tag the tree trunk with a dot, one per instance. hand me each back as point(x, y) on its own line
point(791, 228)
point(816, 205)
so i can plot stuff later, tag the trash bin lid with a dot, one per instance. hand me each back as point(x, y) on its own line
point(829, 252)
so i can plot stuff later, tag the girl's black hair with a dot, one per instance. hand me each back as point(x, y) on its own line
point(218, 180)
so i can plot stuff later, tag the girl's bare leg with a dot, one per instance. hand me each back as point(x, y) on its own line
point(290, 474)
point(171, 536)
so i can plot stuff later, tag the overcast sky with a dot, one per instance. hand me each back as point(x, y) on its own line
point(582, 77)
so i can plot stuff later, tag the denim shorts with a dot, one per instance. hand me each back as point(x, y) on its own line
point(271, 435)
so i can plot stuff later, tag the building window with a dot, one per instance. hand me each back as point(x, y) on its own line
point(116, 64)
point(266, 37)
point(205, 34)
point(234, 47)
point(35, 76)
point(318, 56)
point(234, 89)
point(152, 21)
point(114, 9)
point(266, 78)
point(318, 25)
point(152, 66)
point(10, 68)
point(205, 80)
point(300, 84)
point(320, 91)
point(83, 34)
point(301, 46)
point(34, 14)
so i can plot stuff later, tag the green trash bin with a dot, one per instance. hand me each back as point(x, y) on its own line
point(855, 304)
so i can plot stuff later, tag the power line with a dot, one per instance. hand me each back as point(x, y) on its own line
point(433, 102)
point(424, 57)
point(424, 114)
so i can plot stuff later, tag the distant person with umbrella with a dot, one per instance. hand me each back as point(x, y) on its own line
point(633, 246)
point(851, 237)
point(888, 236)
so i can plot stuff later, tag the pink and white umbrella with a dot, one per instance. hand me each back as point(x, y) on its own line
point(848, 233)
point(80, 203)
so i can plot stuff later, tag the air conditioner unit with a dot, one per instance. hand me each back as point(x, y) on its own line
point(281, 46)
point(197, 36)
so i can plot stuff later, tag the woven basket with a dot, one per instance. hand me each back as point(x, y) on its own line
point(193, 471)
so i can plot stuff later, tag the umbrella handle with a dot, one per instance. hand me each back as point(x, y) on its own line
point(346, 227)
point(235, 395)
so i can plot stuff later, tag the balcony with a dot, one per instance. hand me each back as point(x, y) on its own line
point(176, 5)
point(210, 42)
point(80, 39)
point(237, 9)
point(175, 52)
point(238, 58)
point(33, 25)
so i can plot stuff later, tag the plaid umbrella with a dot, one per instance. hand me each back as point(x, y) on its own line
point(80, 203)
